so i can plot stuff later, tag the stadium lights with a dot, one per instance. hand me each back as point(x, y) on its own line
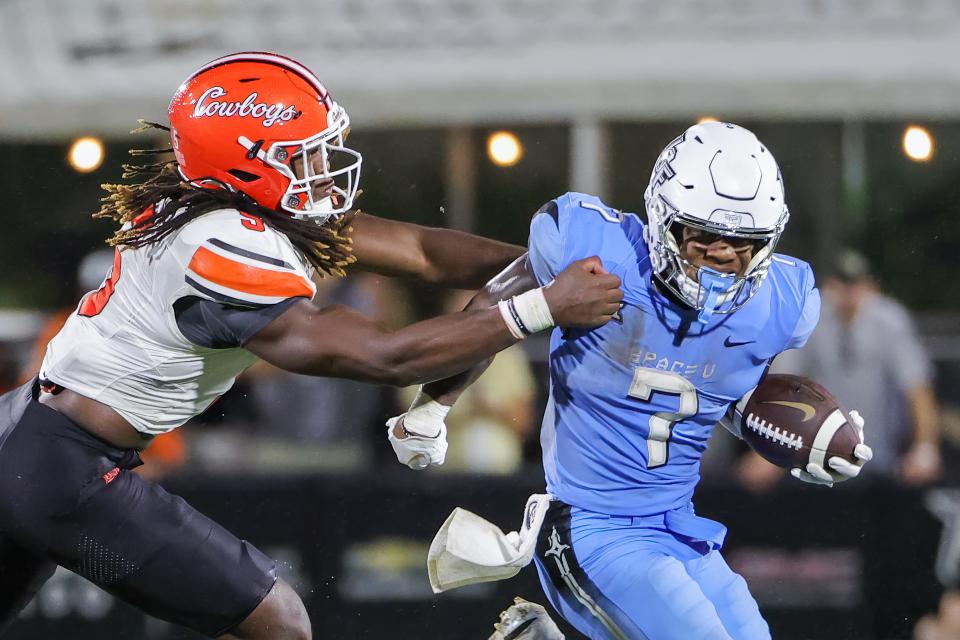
point(86, 154)
point(917, 143)
point(504, 148)
point(703, 119)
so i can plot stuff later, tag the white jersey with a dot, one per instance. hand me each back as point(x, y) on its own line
point(127, 345)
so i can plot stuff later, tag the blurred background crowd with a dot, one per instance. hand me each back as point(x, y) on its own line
point(472, 115)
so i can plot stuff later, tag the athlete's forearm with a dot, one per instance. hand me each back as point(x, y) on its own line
point(440, 347)
point(340, 342)
point(440, 256)
point(463, 260)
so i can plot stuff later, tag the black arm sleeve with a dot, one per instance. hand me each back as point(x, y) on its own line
point(217, 325)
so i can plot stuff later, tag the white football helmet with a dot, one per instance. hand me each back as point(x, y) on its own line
point(716, 177)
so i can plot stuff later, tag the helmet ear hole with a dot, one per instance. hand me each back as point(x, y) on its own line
point(243, 175)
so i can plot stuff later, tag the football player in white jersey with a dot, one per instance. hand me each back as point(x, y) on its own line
point(213, 269)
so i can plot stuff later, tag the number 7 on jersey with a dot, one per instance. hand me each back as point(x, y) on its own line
point(645, 382)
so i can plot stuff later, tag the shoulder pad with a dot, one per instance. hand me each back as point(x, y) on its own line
point(591, 227)
point(793, 269)
point(797, 298)
point(586, 203)
point(233, 257)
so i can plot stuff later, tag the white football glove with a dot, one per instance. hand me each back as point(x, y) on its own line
point(840, 469)
point(418, 451)
point(425, 440)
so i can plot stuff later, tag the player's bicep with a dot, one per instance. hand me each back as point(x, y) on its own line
point(545, 243)
point(388, 247)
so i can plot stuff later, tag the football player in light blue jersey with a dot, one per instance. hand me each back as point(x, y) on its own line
point(707, 306)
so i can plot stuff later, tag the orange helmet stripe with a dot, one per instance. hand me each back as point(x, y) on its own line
point(239, 276)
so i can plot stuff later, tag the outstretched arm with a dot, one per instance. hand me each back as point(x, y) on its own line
point(339, 342)
point(439, 256)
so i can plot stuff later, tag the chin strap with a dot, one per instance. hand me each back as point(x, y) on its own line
point(714, 284)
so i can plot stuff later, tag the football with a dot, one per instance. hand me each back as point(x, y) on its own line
point(791, 421)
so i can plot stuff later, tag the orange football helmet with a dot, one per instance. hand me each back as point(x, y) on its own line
point(263, 124)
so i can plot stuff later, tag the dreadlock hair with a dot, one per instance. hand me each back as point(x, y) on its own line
point(326, 247)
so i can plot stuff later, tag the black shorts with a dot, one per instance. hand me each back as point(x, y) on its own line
point(69, 498)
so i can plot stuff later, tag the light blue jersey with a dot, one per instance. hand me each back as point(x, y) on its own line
point(622, 554)
point(633, 403)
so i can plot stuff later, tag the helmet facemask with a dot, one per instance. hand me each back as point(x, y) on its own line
point(324, 173)
point(710, 291)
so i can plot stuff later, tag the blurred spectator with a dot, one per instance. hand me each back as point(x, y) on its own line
point(866, 351)
point(167, 452)
point(488, 425)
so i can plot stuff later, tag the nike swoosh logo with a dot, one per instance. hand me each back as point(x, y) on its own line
point(727, 342)
point(808, 410)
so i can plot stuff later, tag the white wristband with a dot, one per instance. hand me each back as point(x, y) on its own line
point(526, 313)
point(425, 419)
point(534, 310)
